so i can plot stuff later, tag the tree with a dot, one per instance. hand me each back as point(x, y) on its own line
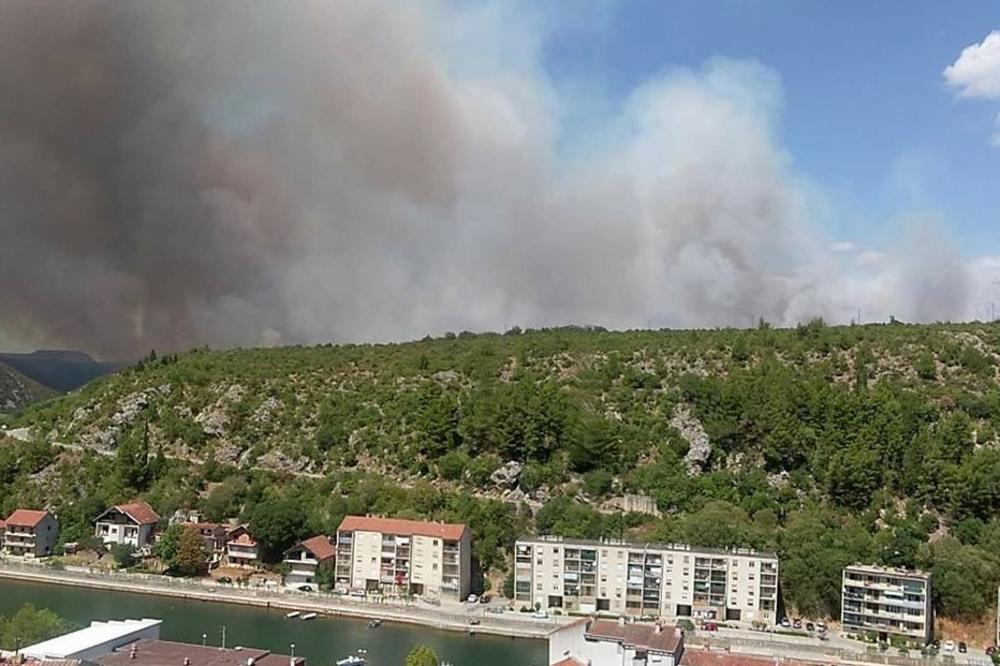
point(421, 655)
point(191, 558)
point(123, 554)
point(167, 544)
point(132, 460)
point(277, 524)
point(29, 625)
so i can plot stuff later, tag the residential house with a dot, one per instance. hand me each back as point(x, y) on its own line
point(30, 534)
point(405, 557)
point(130, 524)
point(646, 580)
point(887, 602)
point(595, 642)
point(241, 548)
point(306, 558)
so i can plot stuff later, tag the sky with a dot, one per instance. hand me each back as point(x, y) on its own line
point(244, 172)
point(867, 114)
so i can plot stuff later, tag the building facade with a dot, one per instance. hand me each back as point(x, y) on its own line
point(404, 557)
point(594, 642)
point(305, 560)
point(887, 601)
point(130, 524)
point(241, 548)
point(30, 534)
point(646, 580)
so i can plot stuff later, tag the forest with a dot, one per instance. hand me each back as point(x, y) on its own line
point(826, 444)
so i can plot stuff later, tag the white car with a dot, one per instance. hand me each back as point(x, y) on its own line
point(540, 615)
point(948, 646)
point(472, 599)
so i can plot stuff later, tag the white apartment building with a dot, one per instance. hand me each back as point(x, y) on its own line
point(406, 557)
point(593, 642)
point(131, 524)
point(306, 558)
point(646, 580)
point(887, 601)
point(30, 534)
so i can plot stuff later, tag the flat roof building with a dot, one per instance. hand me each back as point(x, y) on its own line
point(170, 653)
point(97, 639)
point(646, 580)
point(595, 642)
point(888, 602)
point(404, 557)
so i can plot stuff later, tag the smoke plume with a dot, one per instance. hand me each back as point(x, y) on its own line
point(253, 172)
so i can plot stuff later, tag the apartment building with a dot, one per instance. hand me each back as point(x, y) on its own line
point(30, 534)
point(646, 580)
point(131, 524)
point(406, 557)
point(306, 558)
point(887, 601)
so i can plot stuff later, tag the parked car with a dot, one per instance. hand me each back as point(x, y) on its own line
point(962, 647)
point(305, 588)
point(810, 626)
point(540, 615)
point(224, 580)
point(797, 624)
point(785, 622)
point(485, 599)
point(711, 626)
point(949, 646)
point(472, 599)
point(474, 622)
point(991, 650)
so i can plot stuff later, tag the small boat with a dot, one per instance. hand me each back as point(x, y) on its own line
point(352, 660)
point(309, 616)
point(374, 623)
point(292, 614)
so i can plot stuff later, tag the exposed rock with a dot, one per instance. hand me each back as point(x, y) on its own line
point(266, 410)
point(228, 453)
point(127, 411)
point(691, 430)
point(633, 504)
point(279, 461)
point(506, 476)
point(213, 421)
point(446, 376)
point(514, 496)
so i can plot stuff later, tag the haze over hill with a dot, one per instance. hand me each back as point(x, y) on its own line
point(379, 172)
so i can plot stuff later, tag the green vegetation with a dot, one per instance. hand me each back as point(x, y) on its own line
point(828, 445)
point(29, 625)
point(421, 655)
point(182, 551)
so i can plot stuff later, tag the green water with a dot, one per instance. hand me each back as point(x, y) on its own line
point(322, 641)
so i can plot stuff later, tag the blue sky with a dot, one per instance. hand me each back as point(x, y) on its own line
point(867, 116)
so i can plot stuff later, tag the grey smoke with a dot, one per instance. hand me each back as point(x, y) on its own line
point(240, 173)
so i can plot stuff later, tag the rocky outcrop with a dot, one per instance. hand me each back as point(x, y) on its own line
point(690, 428)
point(506, 476)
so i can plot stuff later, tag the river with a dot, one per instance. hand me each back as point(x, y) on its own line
point(322, 641)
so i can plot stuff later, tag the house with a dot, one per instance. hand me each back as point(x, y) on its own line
point(646, 579)
point(30, 534)
point(241, 548)
point(594, 642)
point(130, 524)
point(404, 557)
point(213, 535)
point(306, 558)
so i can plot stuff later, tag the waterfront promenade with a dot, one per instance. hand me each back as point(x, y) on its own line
point(449, 616)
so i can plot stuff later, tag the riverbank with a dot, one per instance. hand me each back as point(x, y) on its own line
point(424, 615)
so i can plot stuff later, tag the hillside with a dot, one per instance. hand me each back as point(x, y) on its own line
point(17, 391)
point(827, 444)
point(59, 370)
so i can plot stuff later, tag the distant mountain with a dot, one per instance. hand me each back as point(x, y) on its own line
point(59, 370)
point(16, 390)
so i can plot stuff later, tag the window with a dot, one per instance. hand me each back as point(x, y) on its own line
point(435, 567)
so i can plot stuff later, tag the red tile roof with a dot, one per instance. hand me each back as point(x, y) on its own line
point(569, 661)
point(140, 512)
point(699, 657)
point(320, 547)
point(638, 635)
point(446, 531)
point(26, 517)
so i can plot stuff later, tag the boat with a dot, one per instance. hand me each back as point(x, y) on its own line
point(374, 623)
point(292, 614)
point(352, 660)
point(309, 616)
